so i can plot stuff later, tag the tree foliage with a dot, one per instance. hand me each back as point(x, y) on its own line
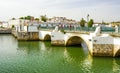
point(90, 23)
point(37, 19)
point(13, 26)
point(21, 18)
point(27, 17)
point(44, 18)
point(82, 22)
point(13, 18)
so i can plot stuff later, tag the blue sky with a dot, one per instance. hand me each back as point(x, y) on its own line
point(106, 10)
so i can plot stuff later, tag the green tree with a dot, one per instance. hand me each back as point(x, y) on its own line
point(82, 22)
point(13, 18)
point(29, 18)
point(44, 18)
point(21, 18)
point(90, 23)
point(37, 19)
point(13, 26)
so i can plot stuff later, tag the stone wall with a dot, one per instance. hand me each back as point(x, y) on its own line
point(14, 33)
point(57, 38)
point(5, 31)
point(58, 42)
point(28, 36)
point(103, 49)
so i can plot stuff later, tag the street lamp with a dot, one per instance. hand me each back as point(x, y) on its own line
point(88, 18)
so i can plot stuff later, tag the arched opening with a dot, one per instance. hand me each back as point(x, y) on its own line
point(47, 37)
point(117, 53)
point(74, 41)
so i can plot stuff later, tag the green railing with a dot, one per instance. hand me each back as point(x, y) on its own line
point(119, 29)
point(87, 29)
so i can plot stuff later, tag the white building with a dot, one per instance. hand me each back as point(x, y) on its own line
point(33, 26)
point(62, 20)
point(4, 24)
point(19, 24)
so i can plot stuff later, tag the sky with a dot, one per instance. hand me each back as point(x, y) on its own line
point(99, 10)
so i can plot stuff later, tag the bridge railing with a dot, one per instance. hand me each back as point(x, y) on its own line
point(86, 29)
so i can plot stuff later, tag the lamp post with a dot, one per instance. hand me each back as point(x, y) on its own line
point(88, 18)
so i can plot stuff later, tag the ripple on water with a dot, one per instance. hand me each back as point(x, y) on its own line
point(40, 57)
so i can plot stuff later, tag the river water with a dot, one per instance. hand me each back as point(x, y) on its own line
point(41, 57)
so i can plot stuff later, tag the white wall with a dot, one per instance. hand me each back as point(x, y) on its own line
point(5, 24)
point(117, 41)
point(19, 23)
point(13, 22)
point(57, 36)
point(103, 40)
point(32, 29)
point(42, 34)
point(25, 28)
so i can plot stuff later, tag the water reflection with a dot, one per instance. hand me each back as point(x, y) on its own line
point(41, 57)
point(69, 56)
point(45, 47)
point(82, 59)
point(102, 64)
point(116, 65)
point(28, 46)
point(8, 45)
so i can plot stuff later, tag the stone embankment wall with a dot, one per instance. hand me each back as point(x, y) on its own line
point(14, 33)
point(28, 36)
point(5, 31)
point(103, 49)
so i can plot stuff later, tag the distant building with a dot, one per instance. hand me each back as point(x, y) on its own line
point(18, 24)
point(4, 24)
point(33, 26)
point(61, 20)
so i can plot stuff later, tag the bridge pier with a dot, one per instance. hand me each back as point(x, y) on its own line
point(103, 49)
point(44, 35)
point(57, 38)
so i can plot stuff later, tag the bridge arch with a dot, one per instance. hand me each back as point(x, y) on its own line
point(47, 37)
point(74, 40)
point(117, 53)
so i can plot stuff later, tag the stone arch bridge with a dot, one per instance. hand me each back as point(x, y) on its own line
point(102, 45)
